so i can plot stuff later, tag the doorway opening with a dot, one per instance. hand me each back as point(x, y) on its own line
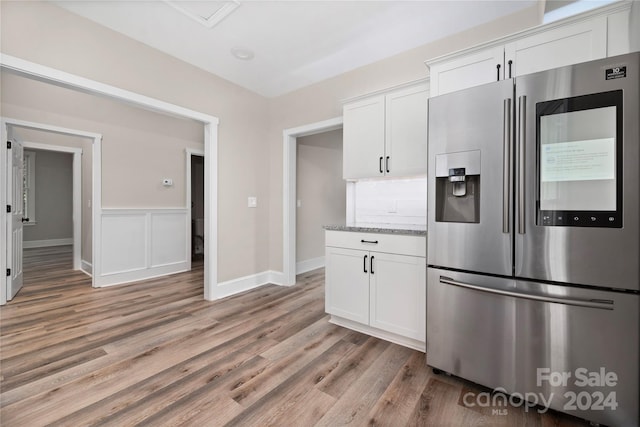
point(196, 205)
point(25, 206)
point(320, 195)
point(290, 139)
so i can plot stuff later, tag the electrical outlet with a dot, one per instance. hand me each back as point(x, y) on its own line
point(252, 202)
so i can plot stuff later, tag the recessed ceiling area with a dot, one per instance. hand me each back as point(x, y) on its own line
point(286, 45)
point(207, 13)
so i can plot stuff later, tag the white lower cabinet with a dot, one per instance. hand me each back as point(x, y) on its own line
point(347, 286)
point(376, 292)
point(397, 294)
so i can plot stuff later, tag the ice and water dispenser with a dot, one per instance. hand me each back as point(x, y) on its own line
point(458, 187)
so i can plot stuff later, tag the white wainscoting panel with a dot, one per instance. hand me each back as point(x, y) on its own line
point(139, 244)
point(124, 241)
point(168, 238)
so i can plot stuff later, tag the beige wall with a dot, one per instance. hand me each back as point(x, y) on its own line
point(250, 132)
point(45, 34)
point(323, 100)
point(86, 144)
point(320, 189)
point(53, 197)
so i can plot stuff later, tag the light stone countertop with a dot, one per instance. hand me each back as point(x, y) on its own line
point(408, 229)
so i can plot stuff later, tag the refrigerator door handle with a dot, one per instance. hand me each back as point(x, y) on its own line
point(601, 304)
point(506, 162)
point(522, 125)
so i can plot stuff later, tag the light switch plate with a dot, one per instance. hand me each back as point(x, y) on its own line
point(252, 202)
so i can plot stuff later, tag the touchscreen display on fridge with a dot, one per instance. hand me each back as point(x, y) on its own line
point(578, 161)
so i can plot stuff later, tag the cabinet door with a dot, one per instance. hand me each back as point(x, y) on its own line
point(347, 283)
point(560, 46)
point(398, 294)
point(473, 69)
point(406, 132)
point(363, 138)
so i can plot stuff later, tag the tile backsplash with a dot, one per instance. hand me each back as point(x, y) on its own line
point(396, 202)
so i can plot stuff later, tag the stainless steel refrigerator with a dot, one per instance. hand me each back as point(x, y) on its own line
point(534, 238)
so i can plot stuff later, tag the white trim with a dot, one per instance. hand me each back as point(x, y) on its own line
point(30, 213)
point(126, 277)
point(28, 244)
point(64, 79)
point(86, 267)
point(309, 265)
point(421, 81)
point(61, 78)
point(50, 147)
point(77, 193)
point(246, 283)
point(190, 152)
point(289, 140)
point(379, 333)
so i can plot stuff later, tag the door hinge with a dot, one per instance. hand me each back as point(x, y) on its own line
point(8, 208)
point(8, 272)
point(8, 145)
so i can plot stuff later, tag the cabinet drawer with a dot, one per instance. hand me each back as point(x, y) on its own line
point(378, 242)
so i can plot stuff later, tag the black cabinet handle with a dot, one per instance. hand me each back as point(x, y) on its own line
point(365, 264)
point(25, 219)
point(380, 165)
point(498, 72)
point(387, 164)
point(510, 62)
point(375, 242)
point(371, 264)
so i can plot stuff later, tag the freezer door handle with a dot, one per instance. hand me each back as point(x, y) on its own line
point(506, 162)
point(601, 304)
point(522, 125)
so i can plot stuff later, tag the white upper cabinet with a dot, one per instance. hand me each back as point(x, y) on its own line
point(588, 36)
point(363, 138)
point(406, 132)
point(557, 47)
point(386, 134)
point(473, 69)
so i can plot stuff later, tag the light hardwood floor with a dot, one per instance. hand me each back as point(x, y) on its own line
point(155, 353)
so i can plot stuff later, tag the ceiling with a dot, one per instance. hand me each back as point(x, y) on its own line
point(292, 43)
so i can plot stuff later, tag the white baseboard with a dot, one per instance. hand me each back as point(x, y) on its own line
point(246, 283)
point(309, 264)
point(28, 244)
point(379, 333)
point(125, 277)
point(86, 267)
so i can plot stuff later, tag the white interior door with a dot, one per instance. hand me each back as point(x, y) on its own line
point(15, 174)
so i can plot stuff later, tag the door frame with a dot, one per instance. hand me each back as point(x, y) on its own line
point(77, 193)
point(96, 189)
point(190, 152)
point(289, 151)
point(210, 123)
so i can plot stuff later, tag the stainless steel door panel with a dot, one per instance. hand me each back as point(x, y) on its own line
point(518, 343)
point(558, 339)
point(469, 333)
point(469, 120)
point(604, 257)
